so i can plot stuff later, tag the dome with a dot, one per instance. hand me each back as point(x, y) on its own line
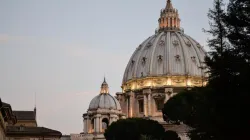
point(104, 100)
point(167, 57)
point(166, 53)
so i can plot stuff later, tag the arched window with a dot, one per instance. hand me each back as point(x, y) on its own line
point(92, 126)
point(105, 124)
point(141, 106)
point(159, 104)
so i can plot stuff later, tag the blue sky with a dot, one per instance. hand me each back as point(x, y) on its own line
point(61, 50)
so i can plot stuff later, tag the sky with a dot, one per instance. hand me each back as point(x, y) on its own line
point(54, 54)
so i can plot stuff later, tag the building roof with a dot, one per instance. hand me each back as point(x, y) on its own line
point(104, 100)
point(31, 131)
point(6, 110)
point(5, 104)
point(25, 115)
point(169, 52)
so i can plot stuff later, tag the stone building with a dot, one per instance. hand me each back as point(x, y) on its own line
point(65, 137)
point(6, 118)
point(22, 125)
point(103, 110)
point(26, 118)
point(31, 133)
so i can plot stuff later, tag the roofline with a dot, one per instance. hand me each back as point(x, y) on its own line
point(7, 108)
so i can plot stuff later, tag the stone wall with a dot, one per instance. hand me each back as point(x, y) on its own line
point(31, 138)
point(26, 123)
point(2, 127)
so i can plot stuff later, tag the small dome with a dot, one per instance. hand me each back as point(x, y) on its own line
point(104, 100)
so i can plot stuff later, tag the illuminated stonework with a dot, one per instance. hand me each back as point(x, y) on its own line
point(169, 18)
point(167, 81)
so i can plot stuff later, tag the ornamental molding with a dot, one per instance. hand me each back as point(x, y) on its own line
point(158, 95)
point(139, 97)
point(176, 43)
point(162, 43)
point(169, 90)
point(145, 83)
point(147, 91)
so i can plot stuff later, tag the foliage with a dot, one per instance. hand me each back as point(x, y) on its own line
point(190, 107)
point(171, 135)
point(134, 129)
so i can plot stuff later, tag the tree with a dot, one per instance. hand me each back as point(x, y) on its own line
point(171, 135)
point(238, 23)
point(134, 129)
point(195, 108)
point(219, 58)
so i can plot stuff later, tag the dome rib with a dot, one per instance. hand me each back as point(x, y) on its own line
point(155, 45)
point(140, 55)
point(194, 47)
point(167, 52)
point(135, 54)
point(183, 53)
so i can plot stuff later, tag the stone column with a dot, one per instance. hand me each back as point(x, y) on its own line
point(128, 105)
point(116, 118)
point(85, 125)
point(145, 105)
point(100, 123)
point(110, 119)
point(146, 92)
point(149, 105)
point(94, 125)
point(168, 93)
point(168, 22)
point(131, 104)
point(88, 121)
point(97, 123)
point(172, 21)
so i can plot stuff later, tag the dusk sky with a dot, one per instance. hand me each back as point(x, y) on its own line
point(61, 50)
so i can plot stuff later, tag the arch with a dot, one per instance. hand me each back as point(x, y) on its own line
point(92, 126)
point(105, 124)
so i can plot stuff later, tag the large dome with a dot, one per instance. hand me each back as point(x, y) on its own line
point(167, 58)
point(104, 100)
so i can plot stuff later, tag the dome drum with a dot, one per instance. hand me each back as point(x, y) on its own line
point(164, 81)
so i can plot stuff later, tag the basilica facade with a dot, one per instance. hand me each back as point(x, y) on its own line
point(161, 66)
